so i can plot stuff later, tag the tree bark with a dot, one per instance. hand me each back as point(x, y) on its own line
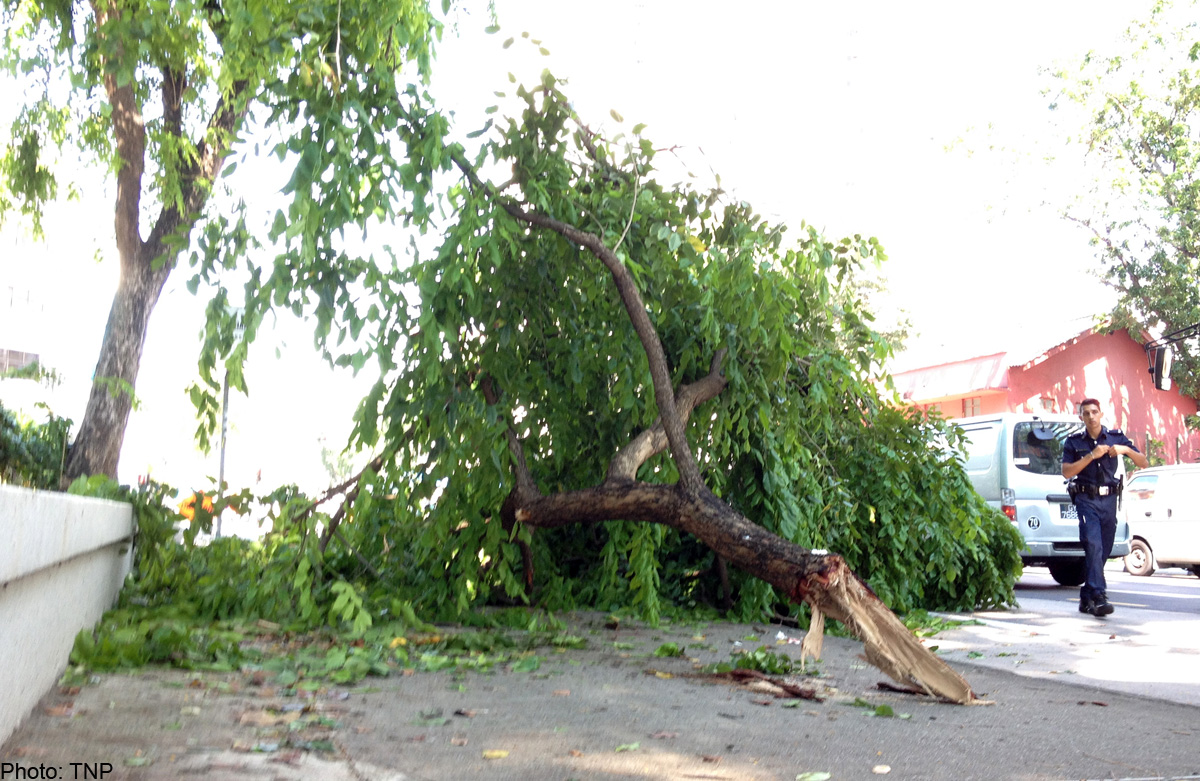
point(97, 447)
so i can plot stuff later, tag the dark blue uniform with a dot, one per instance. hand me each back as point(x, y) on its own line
point(1097, 505)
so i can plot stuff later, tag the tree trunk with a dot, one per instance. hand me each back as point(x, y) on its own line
point(97, 446)
point(822, 581)
point(145, 264)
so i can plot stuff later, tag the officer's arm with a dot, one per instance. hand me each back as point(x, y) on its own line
point(1075, 467)
point(1137, 458)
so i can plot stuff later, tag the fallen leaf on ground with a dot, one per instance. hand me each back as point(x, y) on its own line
point(714, 759)
point(69, 691)
point(64, 710)
point(470, 714)
point(629, 747)
point(264, 718)
point(458, 740)
point(663, 735)
point(562, 692)
point(761, 702)
point(575, 753)
point(495, 753)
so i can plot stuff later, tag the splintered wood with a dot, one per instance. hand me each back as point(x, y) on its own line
point(889, 645)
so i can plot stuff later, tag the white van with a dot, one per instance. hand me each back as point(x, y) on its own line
point(1014, 460)
point(1162, 507)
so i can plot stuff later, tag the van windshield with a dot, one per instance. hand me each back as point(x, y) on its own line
point(1038, 445)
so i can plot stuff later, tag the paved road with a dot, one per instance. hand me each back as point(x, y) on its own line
point(1150, 646)
point(1170, 590)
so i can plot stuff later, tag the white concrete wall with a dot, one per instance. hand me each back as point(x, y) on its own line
point(62, 562)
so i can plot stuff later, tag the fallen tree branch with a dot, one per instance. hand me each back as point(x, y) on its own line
point(822, 581)
point(742, 676)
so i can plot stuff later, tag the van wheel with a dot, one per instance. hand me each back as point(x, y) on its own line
point(1196, 570)
point(1140, 560)
point(1068, 572)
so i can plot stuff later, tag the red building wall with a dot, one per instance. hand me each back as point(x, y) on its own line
point(1111, 368)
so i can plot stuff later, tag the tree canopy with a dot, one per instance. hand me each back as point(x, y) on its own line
point(159, 94)
point(1142, 101)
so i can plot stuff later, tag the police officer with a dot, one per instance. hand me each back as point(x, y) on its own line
point(1092, 456)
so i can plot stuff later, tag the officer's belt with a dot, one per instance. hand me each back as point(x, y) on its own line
point(1097, 490)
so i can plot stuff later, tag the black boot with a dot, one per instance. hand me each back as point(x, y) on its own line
point(1101, 606)
point(1086, 605)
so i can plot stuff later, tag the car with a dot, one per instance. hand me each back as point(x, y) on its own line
point(1162, 507)
point(1014, 461)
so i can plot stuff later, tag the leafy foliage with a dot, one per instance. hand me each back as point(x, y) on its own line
point(1142, 104)
point(505, 330)
point(279, 606)
point(31, 454)
point(801, 440)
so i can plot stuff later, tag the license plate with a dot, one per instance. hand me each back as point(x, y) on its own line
point(1068, 512)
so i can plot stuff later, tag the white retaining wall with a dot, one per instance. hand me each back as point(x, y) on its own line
point(62, 562)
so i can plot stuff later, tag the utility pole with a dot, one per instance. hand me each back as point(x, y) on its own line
point(239, 330)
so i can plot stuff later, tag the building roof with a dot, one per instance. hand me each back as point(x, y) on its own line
point(983, 372)
point(988, 372)
point(1023, 343)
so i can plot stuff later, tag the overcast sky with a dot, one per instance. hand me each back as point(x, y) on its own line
point(838, 114)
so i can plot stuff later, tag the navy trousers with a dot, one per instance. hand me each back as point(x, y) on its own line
point(1097, 529)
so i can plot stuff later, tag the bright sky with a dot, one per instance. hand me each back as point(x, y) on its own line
point(839, 114)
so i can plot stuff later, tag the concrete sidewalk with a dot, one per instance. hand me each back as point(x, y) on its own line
point(1158, 658)
point(614, 711)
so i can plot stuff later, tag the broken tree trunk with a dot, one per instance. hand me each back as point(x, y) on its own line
point(822, 581)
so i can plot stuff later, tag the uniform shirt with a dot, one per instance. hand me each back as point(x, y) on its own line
point(1101, 471)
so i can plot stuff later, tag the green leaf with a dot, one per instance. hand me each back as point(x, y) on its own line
point(526, 664)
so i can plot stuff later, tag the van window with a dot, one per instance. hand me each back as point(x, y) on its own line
point(981, 444)
point(1141, 488)
point(1038, 445)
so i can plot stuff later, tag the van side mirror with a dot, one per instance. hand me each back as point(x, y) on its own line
point(1161, 366)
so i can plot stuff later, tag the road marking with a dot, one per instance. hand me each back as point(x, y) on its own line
point(1159, 594)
